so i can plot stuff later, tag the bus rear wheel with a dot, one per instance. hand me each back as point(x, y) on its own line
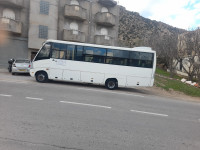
point(111, 84)
point(41, 77)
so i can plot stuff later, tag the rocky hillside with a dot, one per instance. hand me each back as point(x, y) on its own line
point(135, 30)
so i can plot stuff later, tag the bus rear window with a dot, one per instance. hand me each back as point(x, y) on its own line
point(22, 61)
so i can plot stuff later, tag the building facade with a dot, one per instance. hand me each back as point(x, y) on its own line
point(14, 22)
point(28, 23)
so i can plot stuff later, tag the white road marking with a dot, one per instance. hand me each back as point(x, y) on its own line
point(5, 95)
point(32, 98)
point(75, 103)
point(150, 113)
point(120, 93)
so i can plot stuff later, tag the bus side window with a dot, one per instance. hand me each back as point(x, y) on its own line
point(143, 63)
point(148, 64)
point(58, 54)
point(117, 57)
point(146, 60)
point(134, 62)
point(99, 55)
point(58, 51)
point(70, 53)
point(62, 54)
point(89, 58)
point(79, 53)
point(120, 61)
point(94, 54)
point(55, 54)
point(134, 59)
point(109, 60)
point(88, 54)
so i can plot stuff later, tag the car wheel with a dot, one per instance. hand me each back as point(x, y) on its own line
point(41, 77)
point(111, 84)
point(13, 73)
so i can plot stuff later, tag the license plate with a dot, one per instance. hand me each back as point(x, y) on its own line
point(22, 69)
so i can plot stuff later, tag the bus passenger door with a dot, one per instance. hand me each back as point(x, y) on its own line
point(56, 69)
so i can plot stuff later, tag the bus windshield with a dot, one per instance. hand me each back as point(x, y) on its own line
point(44, 53)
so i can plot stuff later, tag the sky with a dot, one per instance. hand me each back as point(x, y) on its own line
point(183, 14)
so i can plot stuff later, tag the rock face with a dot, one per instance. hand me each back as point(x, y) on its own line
point(135, 30)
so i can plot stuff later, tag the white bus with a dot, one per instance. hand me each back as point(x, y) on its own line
point(97, 64)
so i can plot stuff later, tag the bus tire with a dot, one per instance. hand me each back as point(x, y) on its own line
point(111, 84)
point(41, 77)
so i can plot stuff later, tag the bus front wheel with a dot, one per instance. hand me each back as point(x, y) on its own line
point(111, 84)
point(41, 77)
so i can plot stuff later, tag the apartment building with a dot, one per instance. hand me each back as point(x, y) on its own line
point(30, 22)
point(14, 22)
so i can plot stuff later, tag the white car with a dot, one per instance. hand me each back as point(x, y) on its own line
point(21, 66)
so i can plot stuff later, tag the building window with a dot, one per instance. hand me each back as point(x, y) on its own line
point(44, 7)
point(104, 31)
point(74, 2)
point(43, 32)
point(8, 13)
point(104, 9)
point(74, 27)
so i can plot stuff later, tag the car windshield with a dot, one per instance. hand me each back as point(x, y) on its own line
point(22, 61)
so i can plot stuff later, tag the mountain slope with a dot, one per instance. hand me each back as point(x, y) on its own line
point(135, 30)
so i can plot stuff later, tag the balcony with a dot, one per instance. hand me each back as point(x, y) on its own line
point(75, 12)
point(13, 3)
point(106, 19)
point(10, 25)
point(108, 3)
point(73, 35)
point(104, 40)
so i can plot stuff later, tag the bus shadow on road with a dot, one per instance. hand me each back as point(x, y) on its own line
point(138, 90)
point(21, 74)
point(101, 87)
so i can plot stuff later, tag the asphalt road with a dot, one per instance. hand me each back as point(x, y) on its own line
point(66, 116)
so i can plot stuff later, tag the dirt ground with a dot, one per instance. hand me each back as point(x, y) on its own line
point(171, 94)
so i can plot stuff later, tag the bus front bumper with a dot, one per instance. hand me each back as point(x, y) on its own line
point(32, 73)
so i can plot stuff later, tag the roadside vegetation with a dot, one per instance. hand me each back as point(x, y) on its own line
point(163, 80)
point(166, 74)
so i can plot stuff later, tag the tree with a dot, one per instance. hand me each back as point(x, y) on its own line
point(167, 50)
point(189, 52)
point(170, 52)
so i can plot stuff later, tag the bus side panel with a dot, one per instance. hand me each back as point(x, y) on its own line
point(90, 77)
point(138, 81)
point(55, 74)
point(39, 66)
point(70, 75)
point(56, 69)
point(152, 82)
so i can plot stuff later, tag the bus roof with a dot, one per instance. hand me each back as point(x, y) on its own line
point(142, 49)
